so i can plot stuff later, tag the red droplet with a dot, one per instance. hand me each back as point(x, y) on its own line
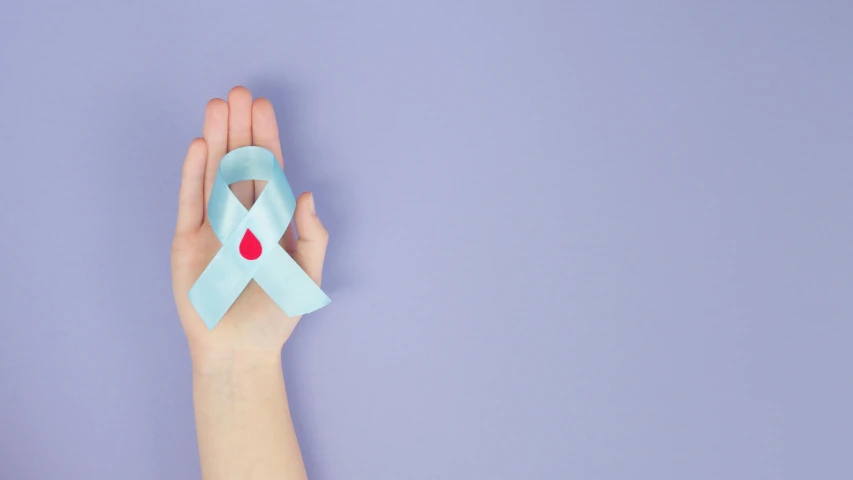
point(250, 247)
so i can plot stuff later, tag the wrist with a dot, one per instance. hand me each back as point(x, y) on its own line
point(215, 361)
point(223, 389)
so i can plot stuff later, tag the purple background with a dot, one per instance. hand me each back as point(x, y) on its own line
point(569, 241)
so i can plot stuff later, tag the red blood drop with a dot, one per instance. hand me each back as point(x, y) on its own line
point(250, 247)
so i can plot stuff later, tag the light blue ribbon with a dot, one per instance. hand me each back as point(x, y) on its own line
point(274, 270)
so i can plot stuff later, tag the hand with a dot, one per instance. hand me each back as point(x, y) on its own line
point(254, 329)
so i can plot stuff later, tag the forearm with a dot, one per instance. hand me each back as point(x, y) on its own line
point(243, 423)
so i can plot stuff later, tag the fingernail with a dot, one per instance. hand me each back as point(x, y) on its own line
point(311, 204)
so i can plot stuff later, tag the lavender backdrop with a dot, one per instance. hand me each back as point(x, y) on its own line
point(592, 240)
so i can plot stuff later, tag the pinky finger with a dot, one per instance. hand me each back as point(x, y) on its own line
point(191, 198)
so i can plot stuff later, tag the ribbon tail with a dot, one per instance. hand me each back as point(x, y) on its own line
point(289, 286)
point(218, 287)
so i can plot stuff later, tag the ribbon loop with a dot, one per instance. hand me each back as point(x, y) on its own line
point(250, 248)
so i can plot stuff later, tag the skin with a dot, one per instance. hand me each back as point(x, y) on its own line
point(242, 416)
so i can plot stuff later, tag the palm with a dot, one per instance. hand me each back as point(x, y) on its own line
point(254, 322)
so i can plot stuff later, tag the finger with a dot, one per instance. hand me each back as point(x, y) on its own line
point(191, 197)
point(265, 128)
point(310, 250)
point(215, 133)
point(265, 134)
point(240, 135)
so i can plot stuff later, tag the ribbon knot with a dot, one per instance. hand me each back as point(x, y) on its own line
point(250, 248)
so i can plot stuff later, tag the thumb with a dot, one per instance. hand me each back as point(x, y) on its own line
point(310, 249)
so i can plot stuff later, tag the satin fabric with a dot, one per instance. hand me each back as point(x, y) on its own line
point(228, 274)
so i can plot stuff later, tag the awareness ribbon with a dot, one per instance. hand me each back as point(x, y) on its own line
point(250, 248)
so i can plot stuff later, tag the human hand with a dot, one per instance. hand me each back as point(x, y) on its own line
point(254, 329)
